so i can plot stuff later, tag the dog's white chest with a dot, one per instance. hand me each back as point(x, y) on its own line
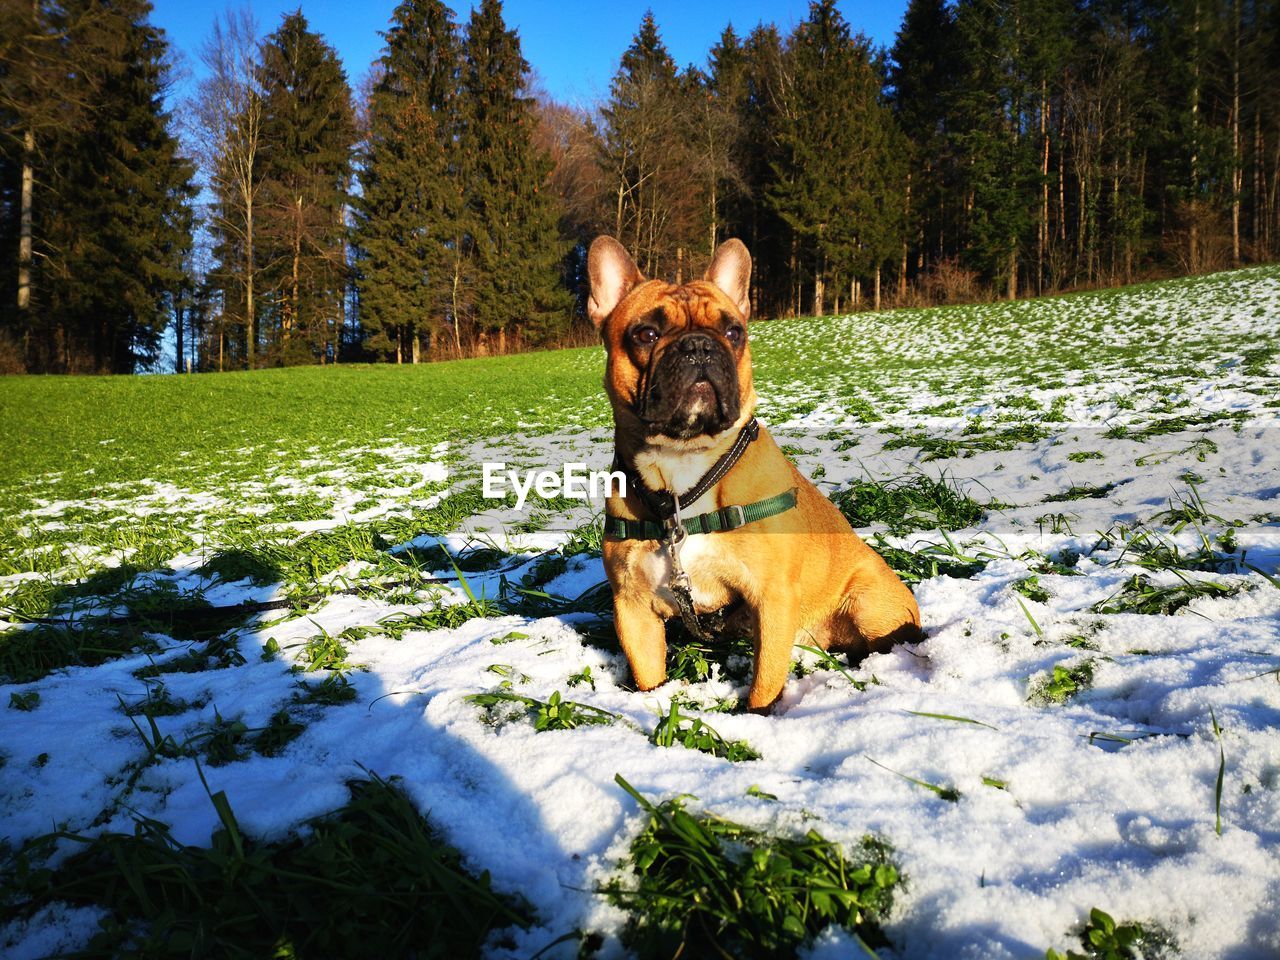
point(699, 557)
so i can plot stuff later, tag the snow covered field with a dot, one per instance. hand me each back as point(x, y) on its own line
point(1103, 641)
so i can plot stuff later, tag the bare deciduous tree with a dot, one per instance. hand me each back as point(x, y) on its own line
point(227, 115)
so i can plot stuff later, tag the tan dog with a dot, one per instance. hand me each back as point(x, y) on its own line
point(679, 378)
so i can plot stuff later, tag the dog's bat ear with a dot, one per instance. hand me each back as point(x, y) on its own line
point(612, 273)
point(730, 270)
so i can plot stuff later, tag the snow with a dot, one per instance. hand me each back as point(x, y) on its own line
point(1125, 825)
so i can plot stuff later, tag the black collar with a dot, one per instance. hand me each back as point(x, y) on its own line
point(662, 503)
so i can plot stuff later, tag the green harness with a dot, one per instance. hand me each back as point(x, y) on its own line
point(726, 518)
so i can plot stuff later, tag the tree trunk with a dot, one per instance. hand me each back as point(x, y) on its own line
point(1272, 192)
point(1062, 177)
point(250, 321)
point(1012, 292)
point(1193, 232)
point(817, 287)
point(877, 302)
point(902, 269)
point(294, 305)
point(1257, 181)
point(795, 280)
point(457, 279)
point(711, 247)
point(24, 236)
point(1237, 169)
point(178, 316)
point(1042, 235)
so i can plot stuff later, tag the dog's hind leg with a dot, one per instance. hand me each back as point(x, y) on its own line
point(874, 618)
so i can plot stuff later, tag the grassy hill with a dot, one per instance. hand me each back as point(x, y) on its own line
point(264, 648)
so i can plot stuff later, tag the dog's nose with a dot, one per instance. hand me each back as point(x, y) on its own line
point(696, 347)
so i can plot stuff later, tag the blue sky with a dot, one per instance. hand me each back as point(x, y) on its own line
point(573, 45)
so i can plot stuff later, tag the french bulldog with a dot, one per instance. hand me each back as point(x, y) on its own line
point(756, 534)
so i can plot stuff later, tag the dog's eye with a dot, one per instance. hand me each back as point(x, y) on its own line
point(734, 334)
point(645, 335)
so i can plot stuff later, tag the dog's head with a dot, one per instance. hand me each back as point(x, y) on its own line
point(679, 368)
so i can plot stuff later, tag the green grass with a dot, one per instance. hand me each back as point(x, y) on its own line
point(695, 733)
point(30, 652)
point(1140, 595)
point(1062, 684)
point(1081, 492)
point(1151, 551)
point(373, 879)
point(1102, 938)
point(974, 441)
point(1032, 589)
point(692, 660)
point(949, 794)
point(169, 428)
point(554, 713)
point(929, 561)
point(907, 504)
point(703, 886)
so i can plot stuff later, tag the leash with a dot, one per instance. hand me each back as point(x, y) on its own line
point(662, 503)
point(672, 530)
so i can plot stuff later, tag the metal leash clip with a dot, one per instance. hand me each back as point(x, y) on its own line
point(676, 536)
point(681, 586)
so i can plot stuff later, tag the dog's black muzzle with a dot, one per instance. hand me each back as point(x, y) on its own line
point(693, 389)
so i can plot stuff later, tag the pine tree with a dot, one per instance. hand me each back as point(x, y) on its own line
point(409, 215)
point(835, 138)
point(308, 130)
point(720, 136)
point(757, 222)
point(923, 81)
point(876, 187)
point(115, 237)
point(656, 208)
point(997, 156)
point(513, 239)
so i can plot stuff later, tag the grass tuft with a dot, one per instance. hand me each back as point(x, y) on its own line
point(1081, 492)
point(1104, 939)
point(371, 880)
point(1062, 684)
point(1222, 771)
point(554, 713)
point(30, 652)
point(691, 660)
point(931, 560)
point(907, 504)
point(334, 690)
point(707, 887)
point(1140, 595)
point(1031, 588)
point(695, 734)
